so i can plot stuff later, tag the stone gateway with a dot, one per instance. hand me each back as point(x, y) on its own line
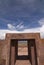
point(9, 49)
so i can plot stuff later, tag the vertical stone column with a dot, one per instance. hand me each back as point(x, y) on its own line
point(41, 52)
point(8, 52)
point(33, 56)
point(38, 42)
point(7, 49)
point(32, 52)
point(0, 52)
point(12, 55)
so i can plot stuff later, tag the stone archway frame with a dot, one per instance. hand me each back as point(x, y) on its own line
point(10, 36)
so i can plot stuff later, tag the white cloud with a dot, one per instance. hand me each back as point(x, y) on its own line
point(42, 31)
point(41, 21)
point(3, 33)
point(42, 28)
point(10, 26)
point(33, 30)
point(20, 26)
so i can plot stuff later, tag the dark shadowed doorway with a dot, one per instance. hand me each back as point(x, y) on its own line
point(23, 49)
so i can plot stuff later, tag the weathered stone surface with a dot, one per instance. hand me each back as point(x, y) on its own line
point(41, 52)
point(20, 36)
point(1, 46)
point(5, 45)
point(2, 62)
point(2, 52)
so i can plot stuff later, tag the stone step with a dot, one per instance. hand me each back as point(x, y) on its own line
point(22, 62)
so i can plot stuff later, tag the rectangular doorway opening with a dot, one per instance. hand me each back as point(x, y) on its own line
point(22, 49)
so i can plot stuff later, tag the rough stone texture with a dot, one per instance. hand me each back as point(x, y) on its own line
point(42, 47)
point(0, 48)
point(5, 45)
point(41, 52)
point(2, 52)
point(9, 36)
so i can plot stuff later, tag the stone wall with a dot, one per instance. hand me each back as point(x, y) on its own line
point(5, 46)
point(0, 48)
point(2, 51)
point(9, 36)
point(41, 52)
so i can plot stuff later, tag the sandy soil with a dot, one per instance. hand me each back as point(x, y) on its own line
point(22, 51)
point(23, 62)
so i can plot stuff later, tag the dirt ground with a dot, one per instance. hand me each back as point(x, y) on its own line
point(23, 62)
point(22, 51)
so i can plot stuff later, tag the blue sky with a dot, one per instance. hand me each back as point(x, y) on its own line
point(16, 11)
point(20, 15)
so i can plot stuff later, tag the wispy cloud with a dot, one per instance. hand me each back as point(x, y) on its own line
point(33, 30)
point(11, 27)
point(41, 21)
point(19, 26)
point(3, 33)
point(21, 23)
point(34, 9)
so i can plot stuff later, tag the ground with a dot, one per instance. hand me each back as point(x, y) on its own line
point(23, 50)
